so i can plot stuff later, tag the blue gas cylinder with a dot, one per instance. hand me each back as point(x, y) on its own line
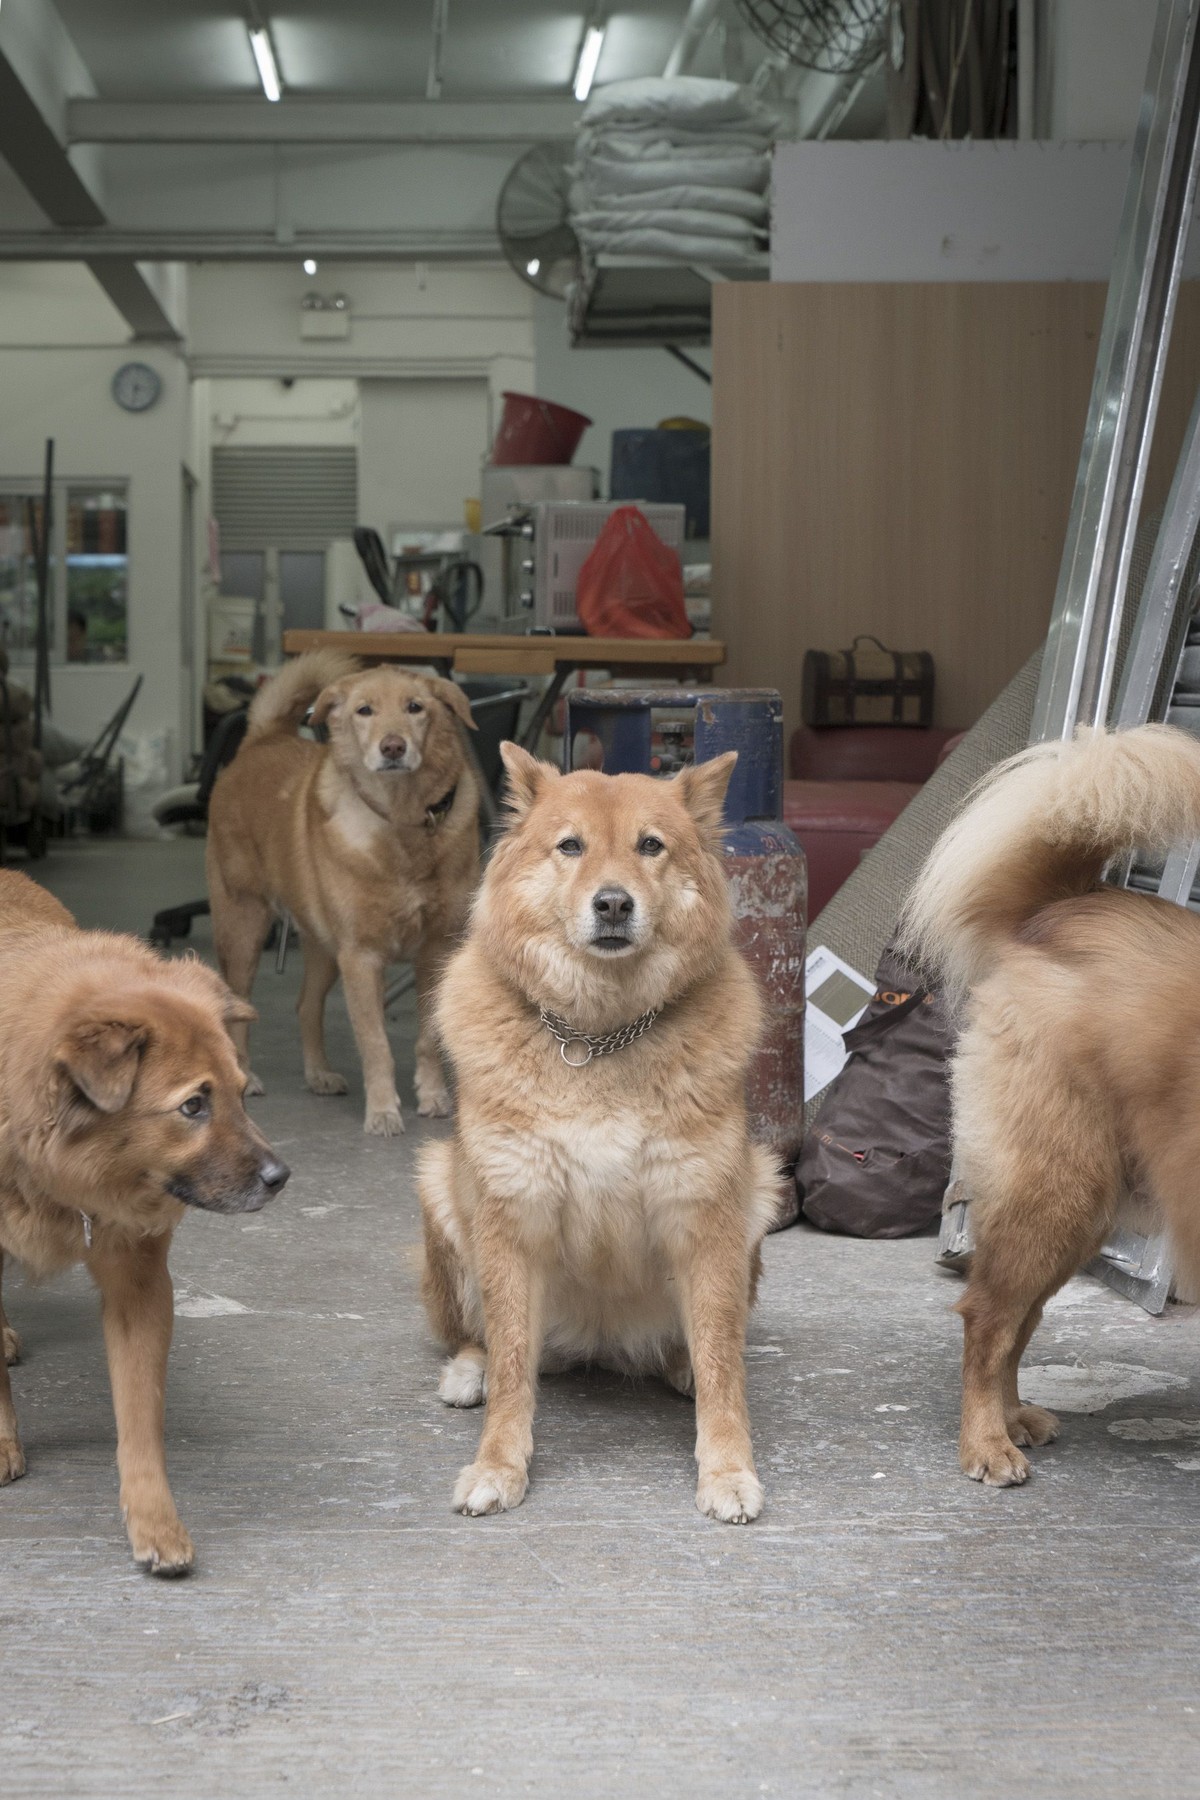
point(647, 731)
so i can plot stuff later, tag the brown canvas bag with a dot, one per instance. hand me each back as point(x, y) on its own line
point(876, 1159)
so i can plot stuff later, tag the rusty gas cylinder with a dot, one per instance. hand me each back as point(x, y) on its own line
point(768, 876)
point(768, 880)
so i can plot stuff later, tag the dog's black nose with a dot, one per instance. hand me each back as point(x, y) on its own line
point(613, 905)
point(393, 746)
point(273, 1174)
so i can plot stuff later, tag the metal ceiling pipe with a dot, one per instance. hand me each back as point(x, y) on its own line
point(694, 30)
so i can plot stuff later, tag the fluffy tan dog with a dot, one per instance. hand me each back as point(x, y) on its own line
point(601, 1200)
point(1076, 1074)
point(370, 841)
point(120, 1104)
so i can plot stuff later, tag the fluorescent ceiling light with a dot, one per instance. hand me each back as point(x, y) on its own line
point(533, 265)
point(310, 265)
point(589, 56)
point(264, 56)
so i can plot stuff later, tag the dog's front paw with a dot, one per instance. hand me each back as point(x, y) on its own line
point(463, 1380)
point(383, 1122)
point(11, 1345)
point(995, 1461)
point(734, 1496)
point(433, 1102)
point(12, 1461)
point(1032, 1425)
point(325, 1081)
point(253, 1084)
point(489, 1488)
point(161, 1545)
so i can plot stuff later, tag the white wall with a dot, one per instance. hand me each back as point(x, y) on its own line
point(1096, 53)
point(617, 388)
point(424, 321)
point(63, 391)
point(262, 411)
point(927, 211)
point(422, 444)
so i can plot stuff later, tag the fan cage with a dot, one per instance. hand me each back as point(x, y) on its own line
point(533, 218)
point(834, 37)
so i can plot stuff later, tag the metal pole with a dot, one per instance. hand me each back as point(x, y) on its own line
point(1160, 596)
point(41, 674)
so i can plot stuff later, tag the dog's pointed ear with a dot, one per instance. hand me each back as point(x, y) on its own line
point(451, 695)
point(527, 777)
point(702, 788)
point(101, 1058)
point(326, 701)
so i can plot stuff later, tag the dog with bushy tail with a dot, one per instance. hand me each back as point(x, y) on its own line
point(1076, 1076)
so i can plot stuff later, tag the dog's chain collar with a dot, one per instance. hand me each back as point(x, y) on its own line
point(436, 813)
point(602, 1044)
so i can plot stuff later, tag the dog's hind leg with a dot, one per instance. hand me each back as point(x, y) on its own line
point(241, 923)
point(1039, 1156)
point(12, 1457)
point(320, 973)
point(1030, 1240)
point(10, 1343)
point(1027, 1424)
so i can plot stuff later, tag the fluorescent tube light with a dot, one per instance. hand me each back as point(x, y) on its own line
point(264, 56)
point(589, 56)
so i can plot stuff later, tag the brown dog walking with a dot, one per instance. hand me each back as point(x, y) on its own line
point(120, 1106)
point(370, 842)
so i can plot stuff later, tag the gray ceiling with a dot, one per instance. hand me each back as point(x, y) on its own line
point(359, 49)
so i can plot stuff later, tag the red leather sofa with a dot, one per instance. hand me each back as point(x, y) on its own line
point(846, 786)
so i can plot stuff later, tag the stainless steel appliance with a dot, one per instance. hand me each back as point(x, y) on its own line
point(545, 546)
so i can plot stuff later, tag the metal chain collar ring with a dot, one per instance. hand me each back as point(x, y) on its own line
point(602, 1045)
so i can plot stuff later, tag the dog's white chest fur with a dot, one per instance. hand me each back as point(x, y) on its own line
point(606, 1187)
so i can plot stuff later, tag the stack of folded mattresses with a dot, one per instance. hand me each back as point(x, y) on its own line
point(673, 167)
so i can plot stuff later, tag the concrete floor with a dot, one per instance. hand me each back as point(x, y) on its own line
point(887, 1628)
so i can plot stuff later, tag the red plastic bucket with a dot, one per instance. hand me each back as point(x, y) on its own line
point(537, 431)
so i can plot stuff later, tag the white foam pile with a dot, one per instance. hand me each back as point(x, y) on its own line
point(674, 167)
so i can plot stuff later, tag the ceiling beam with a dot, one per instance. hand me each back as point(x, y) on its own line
point(302, 121)
point(146, 294)
point(40, 70)
point(107, 245)
point(700, 19)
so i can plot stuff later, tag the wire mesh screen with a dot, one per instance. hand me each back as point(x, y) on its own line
point(837, 37)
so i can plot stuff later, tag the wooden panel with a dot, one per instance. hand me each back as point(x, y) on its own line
point(899, 459)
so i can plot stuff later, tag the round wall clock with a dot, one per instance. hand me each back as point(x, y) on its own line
point(136, 386)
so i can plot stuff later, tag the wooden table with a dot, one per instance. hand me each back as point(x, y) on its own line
point(519, 655)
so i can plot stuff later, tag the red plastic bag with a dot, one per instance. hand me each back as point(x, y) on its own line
point(631, 585)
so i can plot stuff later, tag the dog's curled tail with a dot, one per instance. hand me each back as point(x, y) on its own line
point(1040, 828)
point(281, 703)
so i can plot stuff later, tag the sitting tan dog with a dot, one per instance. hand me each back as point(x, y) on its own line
point(601, 1200)
point(370, 841)
point(120, 1104)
